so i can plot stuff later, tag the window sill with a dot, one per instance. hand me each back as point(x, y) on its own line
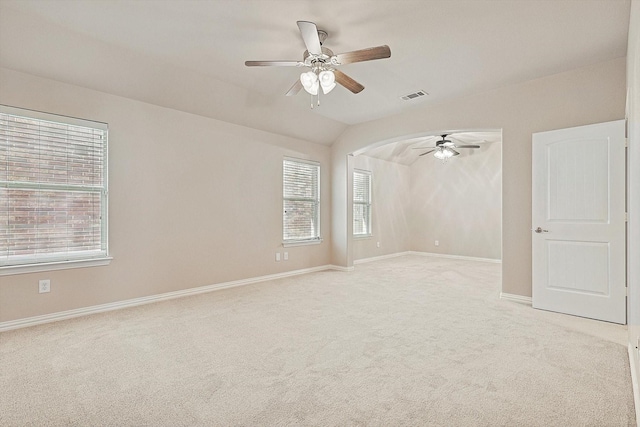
point(302, 243)
point(50, 266)
point(362, 236)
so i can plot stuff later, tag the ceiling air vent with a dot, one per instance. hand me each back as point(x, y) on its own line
point(414, 95)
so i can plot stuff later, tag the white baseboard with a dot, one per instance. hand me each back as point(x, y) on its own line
point(85, 311)
point(467, 258)
point(340, 268)
point(516, 298)
point(633, 366)
point(381, 257)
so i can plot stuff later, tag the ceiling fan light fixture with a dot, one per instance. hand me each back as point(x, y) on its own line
point(309, 82)
point(327, 81)
point(443, 153)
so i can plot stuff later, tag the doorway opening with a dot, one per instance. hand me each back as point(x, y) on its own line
point(421, 203)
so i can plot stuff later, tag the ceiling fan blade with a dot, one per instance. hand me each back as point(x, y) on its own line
point(427, 152)
point(273, 63)
point(309, 33)
point(467, 141)
point(455, 153)
point(368, 54)
point(295, 88)
point(422, 148)
point(467, 146)
point(348, 82)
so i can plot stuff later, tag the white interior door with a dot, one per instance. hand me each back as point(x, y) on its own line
point(578, 228)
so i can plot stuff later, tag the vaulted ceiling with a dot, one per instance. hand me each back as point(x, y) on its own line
point(189, 55)
point(408, 151)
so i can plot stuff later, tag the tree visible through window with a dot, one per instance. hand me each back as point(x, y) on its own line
point(53, 188)
point(301, 201)
point(361, 203)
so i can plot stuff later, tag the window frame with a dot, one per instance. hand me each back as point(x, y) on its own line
point(317, 201)
point(366, 204)
point(62, 260)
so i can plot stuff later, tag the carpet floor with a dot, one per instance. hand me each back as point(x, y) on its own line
point(408, 341)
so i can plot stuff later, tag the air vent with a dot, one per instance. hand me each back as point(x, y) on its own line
point(414, 95)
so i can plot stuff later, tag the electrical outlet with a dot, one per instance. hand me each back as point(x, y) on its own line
point(286, 256)
point(277, 256)
point(377, 244)
point(44, 286)
point(437, 243)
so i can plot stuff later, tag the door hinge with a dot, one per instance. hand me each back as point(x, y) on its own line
point(626, 217)
point(626, 142)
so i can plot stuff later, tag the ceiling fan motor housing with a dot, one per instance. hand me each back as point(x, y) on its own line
point(327, 58)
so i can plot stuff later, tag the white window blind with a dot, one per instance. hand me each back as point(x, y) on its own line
point(361, 203)
point(53, 188)
point(301, 201)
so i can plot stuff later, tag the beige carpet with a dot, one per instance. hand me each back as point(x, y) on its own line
point(410, 341)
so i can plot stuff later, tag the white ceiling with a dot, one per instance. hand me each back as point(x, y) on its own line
point(189, 54)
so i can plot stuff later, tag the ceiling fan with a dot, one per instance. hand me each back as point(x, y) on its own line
point(445, 148)
point(323, 63)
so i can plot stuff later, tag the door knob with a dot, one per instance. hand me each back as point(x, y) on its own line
point(540, 230)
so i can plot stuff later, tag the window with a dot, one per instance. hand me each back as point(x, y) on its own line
point(53, 189)
point(361, 203)
point(301, 201)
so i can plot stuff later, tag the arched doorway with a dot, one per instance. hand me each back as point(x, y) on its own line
point(419, 203)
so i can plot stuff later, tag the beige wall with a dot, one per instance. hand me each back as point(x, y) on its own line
point(458, 203)
point(390, 208)
point(193, 201)
point(177, 222)
point(341, 213)
point(588, 95)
